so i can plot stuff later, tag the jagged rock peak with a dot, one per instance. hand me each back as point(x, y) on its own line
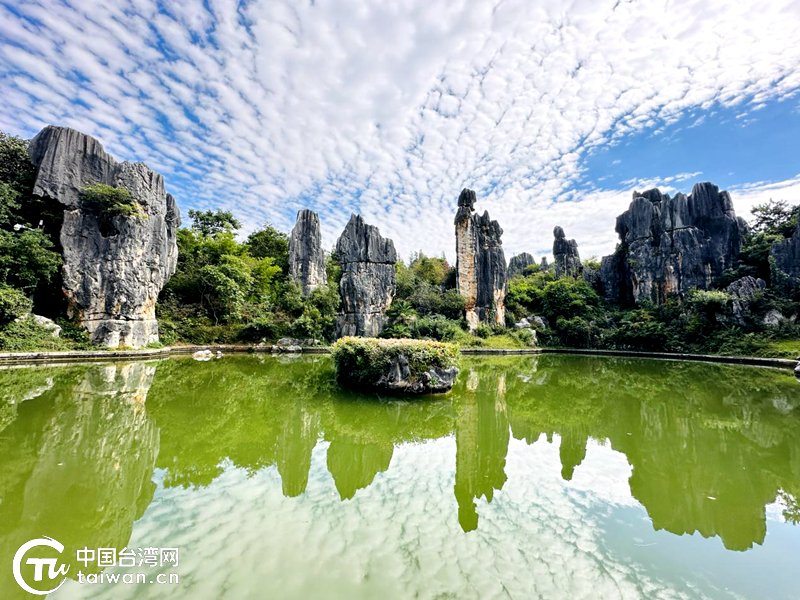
point(467, 199)
point(480, 263)
point(565, 255)
point(306, 256)
point(518, 264)
point(361, 242)
point(669, 245)
point(114, 266)
point(368, 280)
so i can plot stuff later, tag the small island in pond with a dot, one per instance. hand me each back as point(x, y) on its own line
point(398, 366)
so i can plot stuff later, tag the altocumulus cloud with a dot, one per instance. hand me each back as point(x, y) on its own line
point(389, 108)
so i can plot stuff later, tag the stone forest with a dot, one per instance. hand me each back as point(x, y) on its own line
point(354, 420)
point(105, 262)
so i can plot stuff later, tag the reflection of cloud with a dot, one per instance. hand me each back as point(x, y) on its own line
point(399, 537)
point(386, 108)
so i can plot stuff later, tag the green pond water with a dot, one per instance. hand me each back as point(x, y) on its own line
point(549, 476)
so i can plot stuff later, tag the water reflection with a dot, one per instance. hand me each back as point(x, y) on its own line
point(482, 436)
point(710, 445)
point(76, 457)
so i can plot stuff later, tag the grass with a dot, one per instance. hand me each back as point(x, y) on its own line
point(781, 349)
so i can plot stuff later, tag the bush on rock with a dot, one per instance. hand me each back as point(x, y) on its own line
point(396, 365)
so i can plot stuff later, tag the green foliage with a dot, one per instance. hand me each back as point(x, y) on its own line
point(568, 297)
point(525, 294)
point(25, 335)
point(269, 242)
point(362, 361)
point(110, 201)
point(708, 302)
point(754, 257)
point(222, 283)
point(27, 259)
point(775, 217)
point(9, 203)
point(437, 327)
point(483, 331)
point(592, 263)
point(213, 222)
point(16, 169)
point(13, 304)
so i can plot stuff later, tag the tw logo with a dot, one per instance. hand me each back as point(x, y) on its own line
point(56, 574)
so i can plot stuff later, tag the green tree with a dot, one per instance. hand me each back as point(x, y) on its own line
point(27, 259)
point(269, 242)
point(775, 217)
point(16, 169)
point(213, 222)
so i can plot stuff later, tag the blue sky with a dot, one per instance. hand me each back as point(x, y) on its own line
point(553, 111)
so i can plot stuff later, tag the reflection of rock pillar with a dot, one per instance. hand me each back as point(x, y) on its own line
point(481, 445)
point(572, 451)
point(354, 464)
point(295, 444)
point(91, 469)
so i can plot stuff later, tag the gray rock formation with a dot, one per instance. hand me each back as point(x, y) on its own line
point(368, 278)
point(480, 264)
point(400, 378)
point(565, 255)
point(787, 260)
point(518, 264)
point(743, 291)
point(114, 266)
point(306, 256)
point(671, 245)
point(544, 265)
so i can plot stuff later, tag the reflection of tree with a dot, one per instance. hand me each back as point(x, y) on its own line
point(481, 444)
point(77, 461)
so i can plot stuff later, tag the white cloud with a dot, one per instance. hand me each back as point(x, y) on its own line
point(390, 109)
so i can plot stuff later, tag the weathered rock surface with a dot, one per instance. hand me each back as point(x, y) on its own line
point(368, 278)
point(114, 267)
point(480, 264)
point(787, 259)
point(400, 378)
point(306, 256)
point(518, 264)
point(565, 255)
point(671, 245)
point(774, 318)
point(743, 291)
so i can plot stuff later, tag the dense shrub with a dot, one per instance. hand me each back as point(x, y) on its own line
point(13, 304)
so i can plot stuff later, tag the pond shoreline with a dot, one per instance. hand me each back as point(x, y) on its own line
point(100, 355)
